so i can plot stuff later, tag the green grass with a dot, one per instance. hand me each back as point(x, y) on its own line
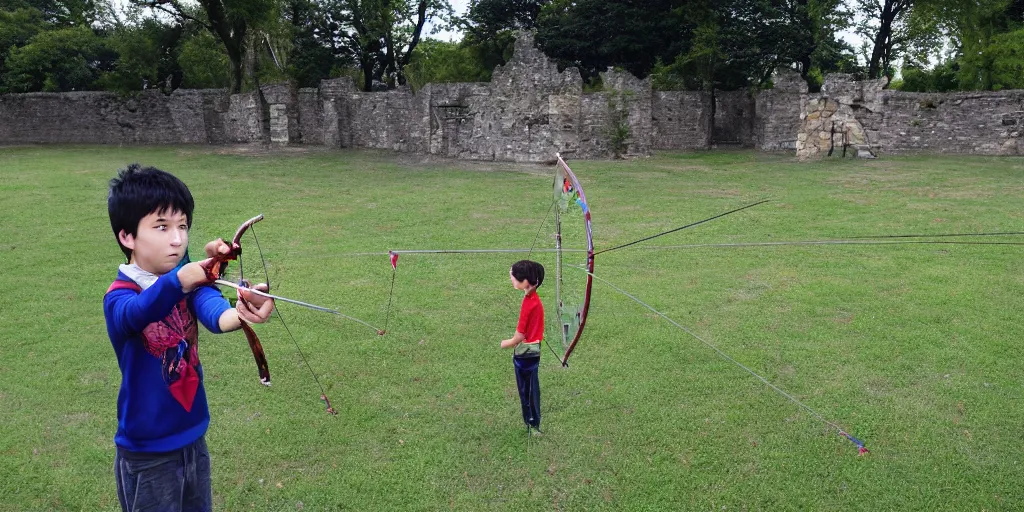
point(913, 348)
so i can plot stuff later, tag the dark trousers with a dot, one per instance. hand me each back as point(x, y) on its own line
point(529, 388)
point(177, 481)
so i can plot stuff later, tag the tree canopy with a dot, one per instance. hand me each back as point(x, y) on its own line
point(921, 45)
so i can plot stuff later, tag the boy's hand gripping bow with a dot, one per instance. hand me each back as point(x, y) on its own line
point(215, 268)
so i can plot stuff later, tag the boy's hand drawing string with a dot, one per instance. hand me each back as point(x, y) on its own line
point(215, 271)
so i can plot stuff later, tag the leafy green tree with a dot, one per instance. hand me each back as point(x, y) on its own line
point(17, 27)
point(204, 63)
point(489, 27)
point(884, 25)
point(381, 35)
point(314, 54)
point(147, 56)
point(975, 26)
point(830, 54)
point(594, 35)
point(1006, 52)
point(441, 61)
point(985, 52)
point(65, 13)
point(230, 21)
point(941, 78)
point(60, 60)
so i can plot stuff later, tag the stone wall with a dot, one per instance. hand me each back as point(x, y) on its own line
point(842, 120)
point(986, 123)
point(779, 112)
point(529, 111)
point(311, 116)
point(872, 121)
point(681, 120)
point(734, 118)
point(186, 116)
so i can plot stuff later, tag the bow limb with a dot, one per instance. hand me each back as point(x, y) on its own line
point(237, 249)
point(216, 266)
point(257, 352)
point(569, 193)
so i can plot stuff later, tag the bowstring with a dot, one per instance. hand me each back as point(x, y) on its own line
point(543, 222)
point(391, 294)
point(536, 237)
point(690, 225)
point(277, 310)
point(860, 241)
point(558, 253)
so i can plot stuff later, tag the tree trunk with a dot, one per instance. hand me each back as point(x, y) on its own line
point(421, 19)
point(232, 35)
point(881, 54)
point(366, 64)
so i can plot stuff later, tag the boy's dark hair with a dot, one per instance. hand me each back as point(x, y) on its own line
point(138, 191)
point(531, 271)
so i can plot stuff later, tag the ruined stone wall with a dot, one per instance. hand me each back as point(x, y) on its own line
point(106, 118)
point(526, 95)
point(734, 118)
point(680, 120)
point(874, 121)
point(842, 120)
point(311, 116)
point(529, 111)
point(778, 114)
point(457, 120)
point(985, 123)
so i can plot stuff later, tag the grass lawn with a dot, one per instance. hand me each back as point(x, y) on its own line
point(914, 348)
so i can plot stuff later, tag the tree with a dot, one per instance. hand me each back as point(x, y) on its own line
point(882, 25)
point(1006, 52)
point(315, 53)
point(230, 21)
point(381, 35)
point(203, 62)
point(17, 27)
point(437, 61)
point(493, 16)
point(490, 25)
point(593, 35)
point(147, 56)
point(64, 13)
point(60, 60)
point(975, 26)
point(983, 34)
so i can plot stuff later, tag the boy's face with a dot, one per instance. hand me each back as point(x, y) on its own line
point(517, 284)
point(159, 242)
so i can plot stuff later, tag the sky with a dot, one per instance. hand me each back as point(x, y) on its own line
point(460, 7)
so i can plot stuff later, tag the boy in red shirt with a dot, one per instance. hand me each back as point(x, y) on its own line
point(528, 275)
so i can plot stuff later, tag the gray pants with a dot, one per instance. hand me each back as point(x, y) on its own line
point(177, 481)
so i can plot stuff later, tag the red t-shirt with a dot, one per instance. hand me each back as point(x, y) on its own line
point(531, 318)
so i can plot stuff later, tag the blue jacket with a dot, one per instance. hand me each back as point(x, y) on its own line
point(161, 405)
